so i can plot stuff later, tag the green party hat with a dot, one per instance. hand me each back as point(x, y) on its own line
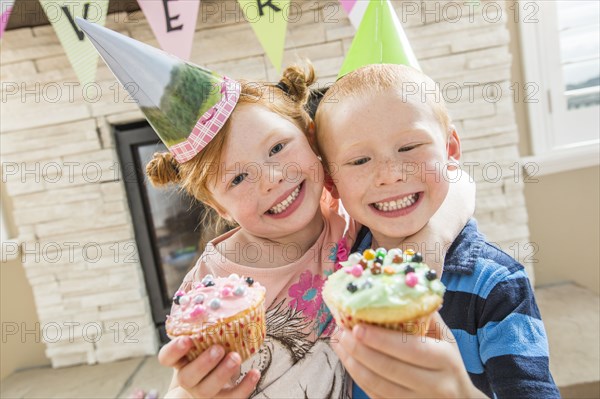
point(185, 104)
point(379, 39)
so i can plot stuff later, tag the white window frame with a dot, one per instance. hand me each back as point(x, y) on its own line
point(548, 114)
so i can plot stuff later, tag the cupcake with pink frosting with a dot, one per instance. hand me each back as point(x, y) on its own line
point(220, 311)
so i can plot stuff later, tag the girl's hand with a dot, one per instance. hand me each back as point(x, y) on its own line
point(210, 375)
point(386, 363)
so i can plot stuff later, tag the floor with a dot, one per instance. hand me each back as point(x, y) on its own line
point(570, 313)
point(111, 380)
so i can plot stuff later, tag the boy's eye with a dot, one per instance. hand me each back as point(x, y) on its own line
point(408, 148)
point(277, 148)
point(360, 161)
point(238, 179)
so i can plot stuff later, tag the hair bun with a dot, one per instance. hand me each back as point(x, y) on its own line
point(163, 169)
point(298, 82)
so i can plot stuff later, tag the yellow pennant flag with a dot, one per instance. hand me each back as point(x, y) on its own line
point(269, 20)
point(81, 53)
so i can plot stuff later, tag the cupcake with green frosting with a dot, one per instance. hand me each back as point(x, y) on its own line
point(391, 289)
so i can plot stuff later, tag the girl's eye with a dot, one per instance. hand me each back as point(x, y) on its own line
point(238, 179)
point(408, 148)
point(277, 148)
point(360, 161)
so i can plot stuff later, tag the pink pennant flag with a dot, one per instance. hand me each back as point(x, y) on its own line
point(355, 10)
point(173, 23)
point(348, 4)
point(6, 7)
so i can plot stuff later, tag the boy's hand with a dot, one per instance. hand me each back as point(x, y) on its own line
point(210, 375)
point(386, 363)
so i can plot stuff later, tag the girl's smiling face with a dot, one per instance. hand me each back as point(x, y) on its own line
point(270, 181)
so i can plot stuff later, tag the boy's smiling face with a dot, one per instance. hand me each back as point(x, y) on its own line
point(388, 156)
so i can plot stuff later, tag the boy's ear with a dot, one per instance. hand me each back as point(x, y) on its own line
point(330, 186)
point(311, 133)
point(453, 146)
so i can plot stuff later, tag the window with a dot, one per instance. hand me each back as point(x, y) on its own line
point(560, 51)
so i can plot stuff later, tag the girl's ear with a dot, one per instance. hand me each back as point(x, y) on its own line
point(221, 213)
point(453, 146)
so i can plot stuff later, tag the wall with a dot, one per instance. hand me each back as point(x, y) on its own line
point(562, 208)
point(467, 53)
point(21, 345)
point(564, 220)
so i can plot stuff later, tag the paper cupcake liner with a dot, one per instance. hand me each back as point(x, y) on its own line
point(243, 334)
point(418, 326)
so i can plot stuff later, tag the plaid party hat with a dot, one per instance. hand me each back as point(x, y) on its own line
point(379, 39)
point(185, 104)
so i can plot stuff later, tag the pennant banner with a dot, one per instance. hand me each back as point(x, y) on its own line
point(269, 20)
point(5, 10)
point(173, 23)
point(355, 10)
point(81, 53)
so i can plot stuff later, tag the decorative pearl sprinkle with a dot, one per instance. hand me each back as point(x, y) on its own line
point(411, 279)
point(357, 271)
point(198, 311)
point(381, 252)
point(234, 277)
point(369, 254)
point(367, 284)
point(184, 300)
point(355, 258)
point(208, 278)
point(198, 299)
point(240, 290)
point(215, 304)
point(394, 252)
point(431, 275)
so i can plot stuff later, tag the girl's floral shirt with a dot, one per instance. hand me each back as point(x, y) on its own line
point(296, 359)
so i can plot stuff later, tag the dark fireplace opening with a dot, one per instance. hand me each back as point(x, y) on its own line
point(167, 221)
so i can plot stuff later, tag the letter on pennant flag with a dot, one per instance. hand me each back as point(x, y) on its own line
point(5, 10)
point(81, 53)
point(355, 10)
point(269, 21)
point(173, 23)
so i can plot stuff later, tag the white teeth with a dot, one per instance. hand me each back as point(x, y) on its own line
point(283, 205)
point(398, 204)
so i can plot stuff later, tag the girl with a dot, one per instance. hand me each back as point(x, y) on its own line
point(261, 173)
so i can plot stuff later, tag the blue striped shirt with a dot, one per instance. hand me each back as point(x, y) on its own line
point(490, 308)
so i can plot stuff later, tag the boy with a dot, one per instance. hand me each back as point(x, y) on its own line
point(385, 131)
